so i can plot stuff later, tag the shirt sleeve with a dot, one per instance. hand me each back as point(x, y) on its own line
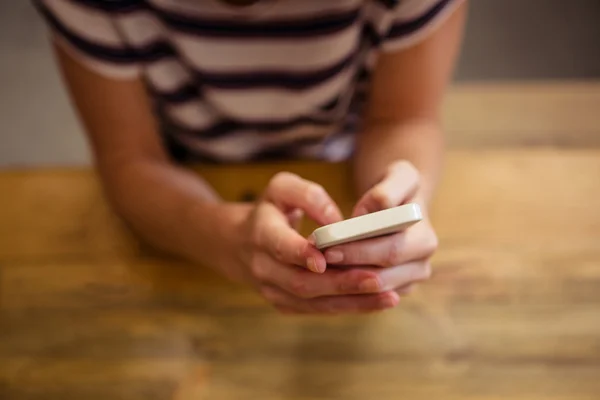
point(413, 20)
point(89, 31)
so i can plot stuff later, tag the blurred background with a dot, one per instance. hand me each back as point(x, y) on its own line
point(508, 40)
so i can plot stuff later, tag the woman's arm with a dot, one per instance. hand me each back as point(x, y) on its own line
point(403, 116)
point(168, 206)
point(399, 153)
point(175, 210)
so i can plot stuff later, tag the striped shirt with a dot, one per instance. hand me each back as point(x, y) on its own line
point(276, 79)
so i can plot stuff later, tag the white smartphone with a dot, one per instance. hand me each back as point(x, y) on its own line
point(379, 223)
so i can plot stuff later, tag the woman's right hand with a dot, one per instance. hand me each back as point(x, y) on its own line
point(287, 269)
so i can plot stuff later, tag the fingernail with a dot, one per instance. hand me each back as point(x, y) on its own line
point(332, 213)
point(329, 211)
point(370, 285)
point(296, 214)
point(381, 198)
point(334, 257)
point(311, 264)
point(389, 302)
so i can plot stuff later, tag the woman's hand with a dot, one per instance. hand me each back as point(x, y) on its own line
point(288, 270)
point(404, 256)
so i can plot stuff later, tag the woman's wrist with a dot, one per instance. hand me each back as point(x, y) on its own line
point(221, 230)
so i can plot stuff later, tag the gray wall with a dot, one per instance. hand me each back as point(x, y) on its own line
point(506, 40)
point(531, 39)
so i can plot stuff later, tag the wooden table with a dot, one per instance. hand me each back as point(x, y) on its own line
point(513, 310)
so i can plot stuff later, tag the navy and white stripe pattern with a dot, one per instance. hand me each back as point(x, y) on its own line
point(280, 78)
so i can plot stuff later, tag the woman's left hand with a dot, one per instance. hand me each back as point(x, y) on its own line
point(405, 255)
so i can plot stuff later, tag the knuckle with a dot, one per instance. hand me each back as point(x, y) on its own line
point(278, 248)
point(349, 281)
point(394, 253)
point(299, 288)
point(427, 271)
point(423, 273)
point(378, 284)
point(256, 236)
point(432, 244)
point(315, 193)
point(258, 231)
point(280, 178)
point(259, 269)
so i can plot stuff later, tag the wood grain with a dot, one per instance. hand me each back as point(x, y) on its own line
point(512, 311)
point(87, 312)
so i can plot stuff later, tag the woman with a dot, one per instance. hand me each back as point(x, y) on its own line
point(158, 83)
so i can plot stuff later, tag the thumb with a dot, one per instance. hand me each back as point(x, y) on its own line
point(398, 187)
point(289, 191)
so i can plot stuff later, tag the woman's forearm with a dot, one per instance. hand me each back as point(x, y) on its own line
point(174, 210)
point(404, 110)
point(169, 207)
point(419, 142)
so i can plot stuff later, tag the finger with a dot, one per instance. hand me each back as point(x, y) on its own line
point(405, 290)
point(403, 276)
point(333, 304)
point(276, 237)
point(400, 278)
point(418, 242)
point(287, 191)
point(333, 282)
point(295, 218)
point(399, 185)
